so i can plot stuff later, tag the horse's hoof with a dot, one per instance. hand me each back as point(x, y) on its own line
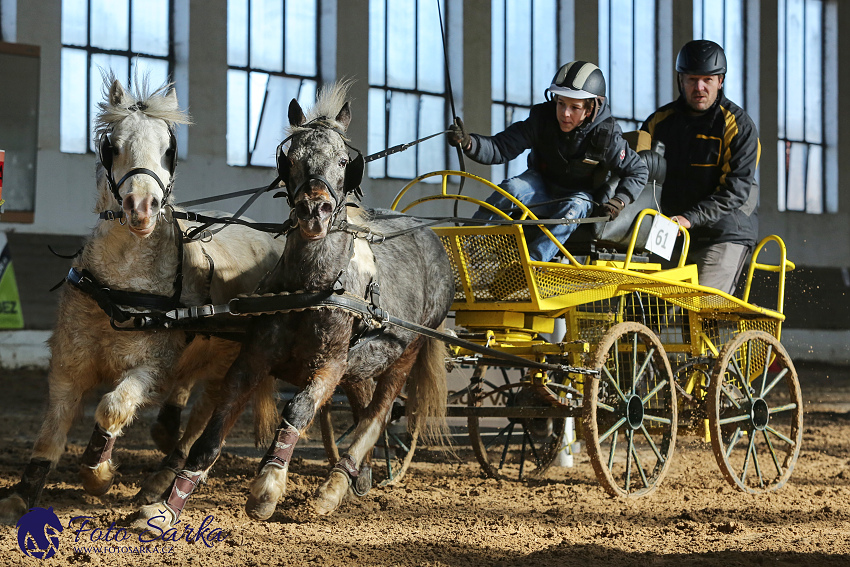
point(330, 495)
point(154, 517)
point(97, 481)
point(363, 483)
point(12, 509)
point(266, 489)
point(258, 510)
point(155, 486)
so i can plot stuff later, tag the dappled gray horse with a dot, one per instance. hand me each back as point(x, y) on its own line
point(326, 253)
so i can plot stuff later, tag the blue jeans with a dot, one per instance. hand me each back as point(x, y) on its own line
point(530, 189)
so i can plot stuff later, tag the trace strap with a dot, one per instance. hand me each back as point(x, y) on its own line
point(277, 303)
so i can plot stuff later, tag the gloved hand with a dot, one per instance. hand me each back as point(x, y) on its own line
point(457, 135)
point(613, 207)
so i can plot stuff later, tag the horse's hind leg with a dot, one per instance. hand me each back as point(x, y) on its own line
point(359, 395)
point(165, 431)
point(115, 410)
point(330, 494)
point(155, 486)
point(65, 397)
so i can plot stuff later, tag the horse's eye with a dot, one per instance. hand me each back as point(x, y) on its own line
point(342, 162)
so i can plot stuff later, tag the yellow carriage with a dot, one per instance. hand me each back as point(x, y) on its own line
point(646, 351)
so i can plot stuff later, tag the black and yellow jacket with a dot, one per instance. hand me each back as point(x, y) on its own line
point(711, 167)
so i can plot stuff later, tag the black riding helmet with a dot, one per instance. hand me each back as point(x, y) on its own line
point(701, 57)
point(578, 79)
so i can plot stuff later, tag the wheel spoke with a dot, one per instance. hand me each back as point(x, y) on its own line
point(507, 443)
point(612, 449)
point(614, 383)
point(728, 420)
point(522, 452)
point(750, 447)
point(606, 407)
point(756, 461)
point(779, 409)
point(734, 441)
point(766, 368)
point(652, 444)
point(772, 453)
point(729, 396)
point(780, 435)
point(614, 428)
point(745, 386)
point(631, 435)
point(776, 380)
point(643, 366)
point(657, 419)
point(640, 467)
point(654, 391)
point(634, 365)
point(506, 429)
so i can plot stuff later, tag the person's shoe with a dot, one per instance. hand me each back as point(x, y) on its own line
point(509, 280)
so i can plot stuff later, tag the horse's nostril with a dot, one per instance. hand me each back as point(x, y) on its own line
point(302, 210)
point(129, 202)
point(326, 208)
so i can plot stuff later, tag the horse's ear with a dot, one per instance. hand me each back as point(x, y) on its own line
point(344, 116)
point(171, 97)
point(117, 94)
point(296, 115)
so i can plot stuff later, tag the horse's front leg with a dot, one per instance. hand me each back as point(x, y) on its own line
point(239, 384)
point(345, 473)
point(270, 483)
point(115, 410)
point(66, 390)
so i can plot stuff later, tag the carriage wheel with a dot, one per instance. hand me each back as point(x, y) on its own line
point(516, 447)
point(756, 424)
point(630, 411)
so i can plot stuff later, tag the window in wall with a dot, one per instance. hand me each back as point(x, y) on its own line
point(627, 57)
point(724, 22)
point(272, 57)
point(808, 178)
point(524, 60)
point(130, 38)
point(407, 94)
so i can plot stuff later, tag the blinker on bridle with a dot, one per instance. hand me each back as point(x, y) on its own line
point(353, 169)
point(105, 153)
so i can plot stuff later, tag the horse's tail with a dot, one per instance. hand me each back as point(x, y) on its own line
point(427, 393)
point(265, 411)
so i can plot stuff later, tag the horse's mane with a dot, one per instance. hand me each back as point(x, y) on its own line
point(151, 103)
point(329, 102)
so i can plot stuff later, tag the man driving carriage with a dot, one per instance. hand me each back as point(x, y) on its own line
point(712, 152)
point(575, 145)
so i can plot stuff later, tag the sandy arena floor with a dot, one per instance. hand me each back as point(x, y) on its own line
point(447, 513)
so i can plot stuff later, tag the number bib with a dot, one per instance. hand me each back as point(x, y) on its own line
point(662, 237)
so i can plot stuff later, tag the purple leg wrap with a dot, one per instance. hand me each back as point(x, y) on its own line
point(99, 449)
point(181, 489)
point(282, 447)
point(346, 465)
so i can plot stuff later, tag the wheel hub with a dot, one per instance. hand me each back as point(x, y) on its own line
point(634, 412)
point(760, 414)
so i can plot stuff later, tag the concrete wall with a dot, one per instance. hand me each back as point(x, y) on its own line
point(65, 192)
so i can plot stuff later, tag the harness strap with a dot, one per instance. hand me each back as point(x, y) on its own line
point(286, 302)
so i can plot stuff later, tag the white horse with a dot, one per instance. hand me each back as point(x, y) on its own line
point(144, 260)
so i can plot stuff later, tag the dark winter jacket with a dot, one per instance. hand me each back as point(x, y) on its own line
point(560, 157)
point(711, 167)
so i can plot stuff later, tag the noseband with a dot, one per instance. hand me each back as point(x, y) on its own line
point(105, 152)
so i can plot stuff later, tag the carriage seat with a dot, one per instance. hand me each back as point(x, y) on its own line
point(613, 237)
